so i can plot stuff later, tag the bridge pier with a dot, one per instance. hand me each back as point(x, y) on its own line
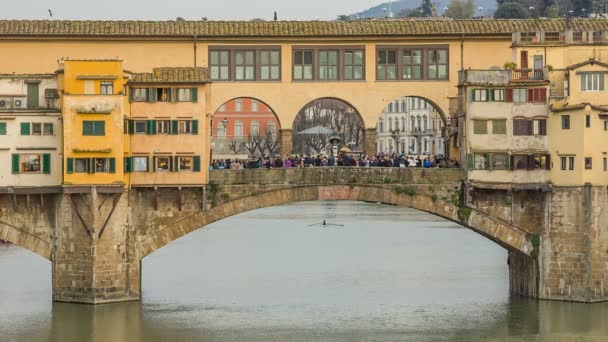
point(286, 142)
point(369, 141)
point(94, 257)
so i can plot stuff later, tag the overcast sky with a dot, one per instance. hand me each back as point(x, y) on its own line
point(187, 9)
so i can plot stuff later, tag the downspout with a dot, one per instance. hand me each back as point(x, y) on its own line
point(195, 50)
point(462, 52)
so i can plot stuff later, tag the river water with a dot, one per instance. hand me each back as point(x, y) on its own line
point(384, 273)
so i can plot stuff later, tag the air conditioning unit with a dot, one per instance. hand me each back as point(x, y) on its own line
point(6, 103)
point(20, 103)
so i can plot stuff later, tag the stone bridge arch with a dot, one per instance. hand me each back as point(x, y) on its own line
point(17, 236)
point(508, 236)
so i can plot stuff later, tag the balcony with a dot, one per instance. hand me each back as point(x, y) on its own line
point(19, 103)
point(528, 75)
point(421, 132)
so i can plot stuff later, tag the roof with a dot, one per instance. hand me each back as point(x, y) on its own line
point(590, 61)
point(187, 75)
point(354, 28)
point(567, 107)
point(28, 76)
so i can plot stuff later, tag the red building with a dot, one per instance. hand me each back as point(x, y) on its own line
point(244, 127)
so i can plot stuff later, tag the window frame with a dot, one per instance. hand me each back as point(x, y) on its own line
point(157, 160)
point(94, 128)
point(141, 122)
point(106, 162)
point(135, 163)
point(87, 164)
point(21, 163)
point(588, 163)
point(179, 164)
point(425, 63)
point(503, 122)
point(352, 65)
point(597, 78)
point(104, 86)
point(181, 92)
point(163, 123)
point(45, 125)
point(245, 65)
point(477, 127)
point(566, 124)
point(257, 62)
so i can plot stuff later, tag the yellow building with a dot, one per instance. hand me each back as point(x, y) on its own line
point(93, 97)
point(168, 128)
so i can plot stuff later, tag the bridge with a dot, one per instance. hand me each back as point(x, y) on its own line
point(96, 237)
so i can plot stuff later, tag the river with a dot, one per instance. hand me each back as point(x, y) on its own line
point(382, 273)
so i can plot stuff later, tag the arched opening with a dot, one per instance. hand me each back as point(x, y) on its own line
point(244, 128)
point(418, 128)
point(320, 120)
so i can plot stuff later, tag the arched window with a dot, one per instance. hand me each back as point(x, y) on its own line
point(425, 123)
point(418, 122)
point(380, 126)
point(413, 126)
point(390, 124)
point(412, 145)
point(403, 124)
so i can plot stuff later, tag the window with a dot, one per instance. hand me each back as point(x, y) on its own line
point(222, 108)
point(184, 163)
point(302, 65)
point(567, 163)
point(587, 120)
point(497, 95)
point(140, 94)
point(271, 128)
point(163, 164)
point(255, 128)
point(565, 121)
point(269, 65)
point(185, 127)
point(220, 64)
point(480, 95)
point(520, 95)
point(592, 81)
point(412, 64)
point(353, 65)
point(520, 162)
point(36, 128)
point(499, 161)
point(499, 126)
point(529, 127)
point(540, 162)
point(95, 128)
point(328, 65)
point(101, 165)
point(381, 126)
point(107, 88)
point(47, 128)
point(481, 161)
point(139, 126)
point(437, 68)
point(140, 164)
point(30, 163)
point(588, 164)
point(81, 165)
point(238, 128)
point(184, 94)
point(254, 105)
point(2, 128)
point(386, 65)
point(244, 62)
point(163, 94)
point(605, 125)
point(605, 164)
point(538, 95)
point(238, 105)
point(480, 126)
point(163, 126)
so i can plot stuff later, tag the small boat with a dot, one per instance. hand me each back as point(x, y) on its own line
point(325, 224)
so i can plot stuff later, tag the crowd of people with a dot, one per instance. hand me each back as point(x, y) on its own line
point(343, 159)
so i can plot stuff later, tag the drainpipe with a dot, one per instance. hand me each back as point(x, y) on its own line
point(462, 52)
point(195, 50)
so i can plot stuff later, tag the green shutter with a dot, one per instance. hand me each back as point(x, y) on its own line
point(92, 165)
point(490, 95)
point(472, 95)
point(15, 163)
point(2, 128)
point(100, 128)
point(128, 161)
point(125, 126)
point(196, 167)
point(154, 164)
point(147, 164)
point(469, 161)
point(70, 165)
point(25, 128)
point(151, 127)
point(130, 94)
point(151, 94)
point(194, 126)
point(490, 160)
point(194, 94)
point(87, 128)
point(46, 163)
point(131, 126)
point(174, 164)
point(174, 127)
point(112, 165)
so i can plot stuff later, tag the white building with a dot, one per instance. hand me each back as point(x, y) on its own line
point(30, 131)
point(410, 125)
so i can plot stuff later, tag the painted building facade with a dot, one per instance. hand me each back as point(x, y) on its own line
point(168, 127)
point(410, 125)
point(30, 131)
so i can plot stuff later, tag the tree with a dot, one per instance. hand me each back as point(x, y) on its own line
point(426, 8)
point(252, 144)
point(460, 9)
point(582, 8)
point(235, 146)
point(511, 10)
point(271, 142)
point(343, 17)
point(410, 13)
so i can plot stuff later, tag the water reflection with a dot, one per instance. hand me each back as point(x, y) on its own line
point(390, 274)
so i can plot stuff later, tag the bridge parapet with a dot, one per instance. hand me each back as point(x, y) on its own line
point(337, 175)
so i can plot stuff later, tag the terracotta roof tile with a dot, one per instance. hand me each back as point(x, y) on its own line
point(212, 29)
point(172, 76)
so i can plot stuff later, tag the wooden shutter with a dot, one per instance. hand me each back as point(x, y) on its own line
point(543, 95)
point(490, 95)
point(147, 164)
point(87, 128)
point(131, 126)
point(174, 127)
point(69, 165)
point(112, 165)
point(2, 128)
point(130, 94)
point(25, 128)
point(151, 127)
point(194, 94)
point(510, 162)
point(469, 161)
point(509, 95)
point(489, 160)
point(530, 162)
point(548, 165)
point(529, 127)
point(196, 164)
point(152, 95)
point(15, 162)
point(174, 164)
point(194, 127)
point(46, 163)
point(154, 164)
point(128, 161)
point(530, 95)
point(172, 95)
point(100, 128)
point(543, 126)
point(92, 165)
